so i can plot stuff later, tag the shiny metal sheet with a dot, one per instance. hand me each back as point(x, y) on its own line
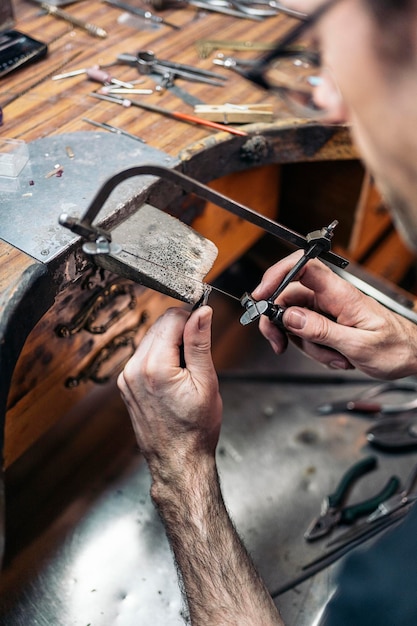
point(30, 205)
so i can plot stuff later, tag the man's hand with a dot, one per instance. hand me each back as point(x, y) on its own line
point(175, 411)
point(176, 414)
point(337, 325)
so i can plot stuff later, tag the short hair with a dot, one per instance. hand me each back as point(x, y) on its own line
point(392, 19)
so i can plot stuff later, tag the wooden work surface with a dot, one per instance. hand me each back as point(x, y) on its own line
point(81, 456)
point(35, 106)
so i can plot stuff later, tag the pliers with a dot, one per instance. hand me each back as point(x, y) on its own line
point(371, 400)
point(334, 513)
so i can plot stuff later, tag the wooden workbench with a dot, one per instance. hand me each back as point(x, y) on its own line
point(36, 296)
point(35, 107)
point(66, 442)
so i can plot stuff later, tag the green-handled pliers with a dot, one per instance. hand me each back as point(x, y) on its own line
point(333, 512)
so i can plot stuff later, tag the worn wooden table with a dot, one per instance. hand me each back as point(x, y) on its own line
point(72, 467)
point(42, 112)
point(35, 106)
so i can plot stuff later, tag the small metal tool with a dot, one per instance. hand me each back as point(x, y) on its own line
point(319, 242)
point(277, 7)
point(97, 74)
point(222, 7)
point(371, 401)
point(232, 63)
point(177, 115)
point(147, 63)
point(235, 113)
point(147, 15)
point(205, 47)
point(126, 91)
point(246, 9)
point(397, 433)
point(113, 129)
point(334, 513)
point(385, 509)
point(225, 7)
point(91, 29)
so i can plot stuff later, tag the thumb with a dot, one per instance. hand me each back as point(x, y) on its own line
point(319, 329)
point(197, 341)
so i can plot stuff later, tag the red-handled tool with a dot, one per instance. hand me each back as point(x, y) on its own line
point(176, 115)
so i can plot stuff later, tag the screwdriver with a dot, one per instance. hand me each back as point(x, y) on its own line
point(91, 29)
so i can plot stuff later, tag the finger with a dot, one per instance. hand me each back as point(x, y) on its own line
point(297, 294)
point(318, 329)
point(322, 354)
point(329, 291)
point(274, 275)
point(197, 342)
point(159, 349)
point(277, 338)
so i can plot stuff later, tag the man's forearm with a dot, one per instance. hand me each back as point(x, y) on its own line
point(220, 582)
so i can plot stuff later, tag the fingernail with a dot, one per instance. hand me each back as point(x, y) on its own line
point(275, 347)
point(255, 291)
point(295, 319)
point(338, 365)
point(204, 319)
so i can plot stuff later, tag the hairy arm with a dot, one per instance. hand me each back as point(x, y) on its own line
point(219, 581)
point(176, 415)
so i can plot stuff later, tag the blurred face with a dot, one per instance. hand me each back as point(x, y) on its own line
point(377, 100)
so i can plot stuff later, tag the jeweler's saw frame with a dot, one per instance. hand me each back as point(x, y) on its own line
point(109, 254)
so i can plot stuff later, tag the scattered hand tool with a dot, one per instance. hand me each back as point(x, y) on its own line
point(113, 129)
point(147, 15)
point(176, 115)
point(395, 434)
point(147, 62)
point(333, 513)
point(234, 8)
point(370, 401)
point(319, 242)
point(336, 553)
point(97, 74)
point(278, 7)
point(222, 6)
point(385, 509)
point(206, 46)
point(233, 63)
point(91, 29)
point(235, 113)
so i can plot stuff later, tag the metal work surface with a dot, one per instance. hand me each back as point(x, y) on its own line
point(104, 559)
point(31, 204)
